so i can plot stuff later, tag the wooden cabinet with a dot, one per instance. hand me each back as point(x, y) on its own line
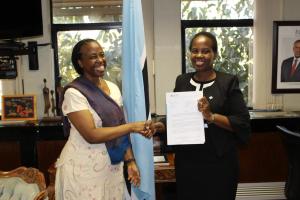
point(263, 159)
point(47, 154)
point(10, 155)
point(37, 144)
point(31, 144)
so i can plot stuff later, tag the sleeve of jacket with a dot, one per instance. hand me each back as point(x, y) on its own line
point(238, 112)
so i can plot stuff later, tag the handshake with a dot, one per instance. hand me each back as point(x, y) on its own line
point(148, 128)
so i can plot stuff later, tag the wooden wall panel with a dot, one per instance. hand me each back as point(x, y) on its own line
point(10, 155)
point(47, 153)
point(263, 159)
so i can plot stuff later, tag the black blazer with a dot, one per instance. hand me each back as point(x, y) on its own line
point(226, 98)
point(286, 67)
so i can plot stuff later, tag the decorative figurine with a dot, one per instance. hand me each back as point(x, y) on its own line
point(53, 107)
point(46, 99)
point(59, 90)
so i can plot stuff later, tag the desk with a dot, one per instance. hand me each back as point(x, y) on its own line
point(165, 179)
point(164, 173)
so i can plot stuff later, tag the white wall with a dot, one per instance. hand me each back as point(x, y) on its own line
point(162, 29)
point(266, 12)
point(167, 48)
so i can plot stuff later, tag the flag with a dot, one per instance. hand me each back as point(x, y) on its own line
point(135, 93)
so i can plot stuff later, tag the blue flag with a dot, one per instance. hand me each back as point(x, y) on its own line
point(133, 91)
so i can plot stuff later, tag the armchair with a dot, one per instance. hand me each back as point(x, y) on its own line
point(22, 183)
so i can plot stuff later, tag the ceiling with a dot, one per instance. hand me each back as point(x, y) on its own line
point(68, 3)
point(86, 7)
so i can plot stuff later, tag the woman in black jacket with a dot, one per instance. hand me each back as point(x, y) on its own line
point(211, 170)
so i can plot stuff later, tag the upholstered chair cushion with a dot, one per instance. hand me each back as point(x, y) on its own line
point(14, 188)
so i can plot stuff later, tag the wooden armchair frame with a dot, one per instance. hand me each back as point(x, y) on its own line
point(29, 175)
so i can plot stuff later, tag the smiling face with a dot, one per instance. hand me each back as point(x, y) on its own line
point(202, 54)
point(92, 60)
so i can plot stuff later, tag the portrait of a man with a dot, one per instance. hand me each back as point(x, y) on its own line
point(290, 68)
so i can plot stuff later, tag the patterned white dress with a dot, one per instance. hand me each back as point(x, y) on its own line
point(84, 170)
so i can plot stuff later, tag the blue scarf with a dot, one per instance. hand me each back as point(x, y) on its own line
point(109, 111)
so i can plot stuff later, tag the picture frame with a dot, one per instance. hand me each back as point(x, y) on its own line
point(19, 107)
point(285, 33)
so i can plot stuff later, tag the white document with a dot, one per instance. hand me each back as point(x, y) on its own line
point(185, 124)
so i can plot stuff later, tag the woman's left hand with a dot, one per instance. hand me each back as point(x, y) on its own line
point(204, 107)
point(133, 174)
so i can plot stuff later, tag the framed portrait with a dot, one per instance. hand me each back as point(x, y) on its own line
point(286, 50)
point(19, 107)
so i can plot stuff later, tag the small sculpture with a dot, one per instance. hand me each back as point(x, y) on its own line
point(59, 90)
point(46, 99)
point(53, 107)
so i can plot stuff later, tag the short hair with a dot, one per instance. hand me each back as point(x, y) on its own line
point(297, 41)
point(76, 54)
point(210, 36)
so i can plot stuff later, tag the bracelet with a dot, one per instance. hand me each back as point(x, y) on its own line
point(129, 160)
point(212, 119)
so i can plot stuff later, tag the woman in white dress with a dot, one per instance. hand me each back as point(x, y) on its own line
point(91, 163)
